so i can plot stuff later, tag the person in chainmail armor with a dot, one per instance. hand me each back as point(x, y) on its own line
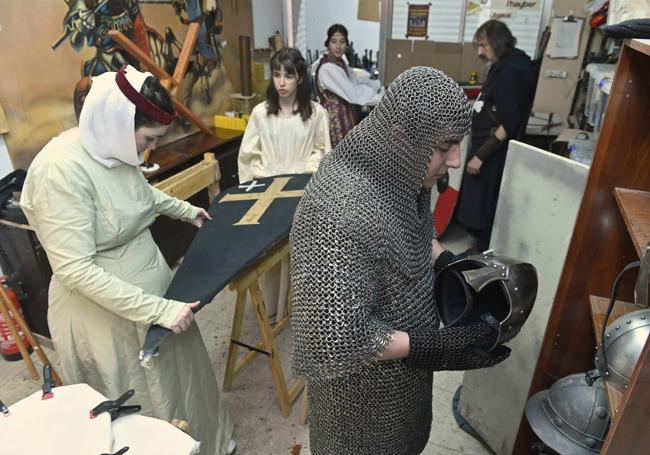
point(365, 333)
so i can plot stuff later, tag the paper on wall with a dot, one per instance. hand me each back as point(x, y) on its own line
point(565, 38)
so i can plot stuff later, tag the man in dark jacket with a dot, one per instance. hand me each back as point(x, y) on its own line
point(500, 114)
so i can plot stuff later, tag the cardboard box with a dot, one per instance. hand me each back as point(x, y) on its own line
point(455, 59)
point(368, 10)
point(443, 56)
point(399, 57)
point(470, 62)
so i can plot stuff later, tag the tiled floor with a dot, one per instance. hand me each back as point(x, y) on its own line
point(260, 429)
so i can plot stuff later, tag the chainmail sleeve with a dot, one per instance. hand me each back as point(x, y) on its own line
point(334, 328)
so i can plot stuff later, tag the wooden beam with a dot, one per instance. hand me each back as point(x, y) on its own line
point(186, 52)
point(16, 225)
point(231, 361)
point(128, 45)
point(166, 80)
point(214, 188)
point(185, 112)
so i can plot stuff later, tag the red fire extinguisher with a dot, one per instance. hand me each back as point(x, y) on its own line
point(8, 346)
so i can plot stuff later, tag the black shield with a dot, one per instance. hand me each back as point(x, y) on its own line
point(235, 238)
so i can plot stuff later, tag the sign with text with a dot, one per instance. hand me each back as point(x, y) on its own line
point(516, 5)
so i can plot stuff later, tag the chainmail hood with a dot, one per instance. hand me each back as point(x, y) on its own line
point(421, 108)
point(388, 153)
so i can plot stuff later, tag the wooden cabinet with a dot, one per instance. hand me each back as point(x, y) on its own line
point(612, 229)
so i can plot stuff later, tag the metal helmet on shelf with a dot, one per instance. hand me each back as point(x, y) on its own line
point(572, 417)
point(624, 340)
point(495, 289)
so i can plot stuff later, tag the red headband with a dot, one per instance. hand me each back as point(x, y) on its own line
point(151, 110)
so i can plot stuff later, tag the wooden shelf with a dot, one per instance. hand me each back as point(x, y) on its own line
point(178, 152)
point(608, 232)
point(598, 306)
point(641, 45)
point(635, 208)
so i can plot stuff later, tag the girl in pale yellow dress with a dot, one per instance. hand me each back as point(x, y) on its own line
point(91, 207)
point(286, 134)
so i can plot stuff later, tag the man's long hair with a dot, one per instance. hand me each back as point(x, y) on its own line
point(293, 62)
point(498, 35)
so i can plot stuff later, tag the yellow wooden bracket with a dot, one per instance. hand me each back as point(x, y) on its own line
point(187, 183)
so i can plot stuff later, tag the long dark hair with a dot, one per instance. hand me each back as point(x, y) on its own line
point(498, 35)
point(336, 28)
point(158, 95)
point(293, 62)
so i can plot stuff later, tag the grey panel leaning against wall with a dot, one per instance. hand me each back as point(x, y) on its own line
point(538, 204)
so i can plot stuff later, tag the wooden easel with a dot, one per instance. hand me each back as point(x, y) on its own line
point(248, 282)
point(6, 306)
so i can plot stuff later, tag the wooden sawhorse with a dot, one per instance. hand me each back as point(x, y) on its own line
point(248, 282)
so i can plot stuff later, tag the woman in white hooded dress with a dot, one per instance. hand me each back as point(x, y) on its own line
point(91, 208)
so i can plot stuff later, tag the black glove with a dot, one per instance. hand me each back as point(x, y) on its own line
point(445, 258)
point(454, 348)
point(488, 148)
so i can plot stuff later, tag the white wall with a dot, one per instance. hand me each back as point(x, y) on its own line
point(300, 25)
point(5, 163)
point(323, 13)
point(311, 20)
point(267, 19)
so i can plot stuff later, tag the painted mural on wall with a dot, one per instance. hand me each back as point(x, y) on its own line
point(88, 22)
point(44, 69)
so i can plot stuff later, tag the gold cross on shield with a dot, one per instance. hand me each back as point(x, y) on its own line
point(262, 200)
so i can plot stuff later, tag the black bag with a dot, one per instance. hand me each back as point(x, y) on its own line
point(9, 184)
